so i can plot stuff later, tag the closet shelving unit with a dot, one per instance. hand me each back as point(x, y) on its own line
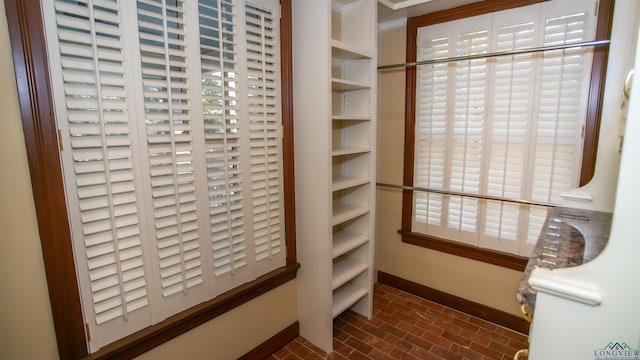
point(334, 54)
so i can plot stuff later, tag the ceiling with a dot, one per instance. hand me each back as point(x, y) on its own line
point(393, 10)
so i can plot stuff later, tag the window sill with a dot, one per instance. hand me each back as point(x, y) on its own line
point(153, 336)
point(510, 261)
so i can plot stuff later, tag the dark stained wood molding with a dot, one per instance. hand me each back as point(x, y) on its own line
point(481, 311)
point(286, 60)
point(148, 338)
point(591, 134)
point(409, 125)
point(473, 9)
point(274, 343)
point(596, 92)
point(32, 77)
point(470, 252)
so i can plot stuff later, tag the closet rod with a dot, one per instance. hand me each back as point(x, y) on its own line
point(496, 54)
point(476, 196)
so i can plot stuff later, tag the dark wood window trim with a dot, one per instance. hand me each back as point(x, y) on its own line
point(599, 67)
point(30, 62)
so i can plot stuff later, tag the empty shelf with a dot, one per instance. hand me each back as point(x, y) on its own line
point(351, 117)
point(346, 269)
point(346, 296)
point(349, 150)
point(346, 85)
point(344, 182)
point(344, 51)
point(344, 212)
point(345, 241)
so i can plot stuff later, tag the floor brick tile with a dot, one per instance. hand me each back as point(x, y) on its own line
point(391, 329)
point(475, 337)
point(402, 355)
point(399, 343)
point(437, 340)
point(456, 338)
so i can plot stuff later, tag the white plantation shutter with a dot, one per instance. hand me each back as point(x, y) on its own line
point(466, 132)
point(170, 117)
point(262, 88)
point(98, 163)
point(170, 147)
point(511, 113)
point(508, 126)
point(219, 66)
point(431, 140)
point(561, 109)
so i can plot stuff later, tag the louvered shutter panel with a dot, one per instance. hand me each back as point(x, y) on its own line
point(86, 42)
point(262, 55)
point(562, 108)
point(511, 112)
point(219, 51)
point(431, 140)
point(467, 130)
point(169, 141)
point(563, 103)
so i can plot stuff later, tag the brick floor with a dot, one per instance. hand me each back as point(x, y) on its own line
point(405, 326)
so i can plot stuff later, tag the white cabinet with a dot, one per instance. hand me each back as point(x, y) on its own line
point(334, 61)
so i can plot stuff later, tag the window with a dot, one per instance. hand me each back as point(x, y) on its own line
point(170, 115)
point(507, 127)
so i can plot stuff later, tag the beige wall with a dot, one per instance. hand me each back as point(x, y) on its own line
point(26, 325)
point(236, 332)
point(483, 283)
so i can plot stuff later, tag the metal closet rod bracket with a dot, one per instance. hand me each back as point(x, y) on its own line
point(594, 43)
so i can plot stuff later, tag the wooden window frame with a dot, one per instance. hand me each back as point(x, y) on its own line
point(28, 46)
point(592, 127)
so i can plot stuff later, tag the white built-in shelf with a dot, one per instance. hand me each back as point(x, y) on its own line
point(345, 269)
point(349, 151)
point(346, 85)
point(344, 117)
point(345, 182)
point(345, 241)
point(345, 212)
point(344, 51)
point(346, 296)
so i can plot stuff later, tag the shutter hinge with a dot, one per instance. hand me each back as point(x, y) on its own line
point(583, 130)
point(595, 11)
point(86, 326)
point(60, 144)
point(279, 11)
point(282, 132)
